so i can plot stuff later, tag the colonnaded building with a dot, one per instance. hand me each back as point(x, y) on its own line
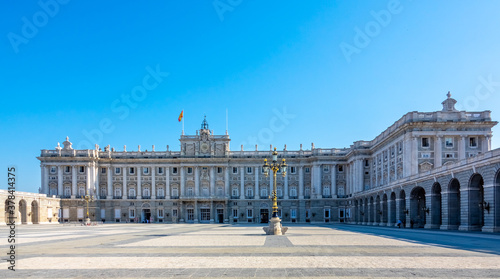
point(429, 169)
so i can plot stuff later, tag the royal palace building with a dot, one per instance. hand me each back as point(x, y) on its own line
point(428, 169)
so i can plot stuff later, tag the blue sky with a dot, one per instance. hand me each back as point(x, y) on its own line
point(288, 72)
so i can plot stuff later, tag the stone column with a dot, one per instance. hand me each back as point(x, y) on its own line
point(398, 210)
point(153, 182)
point(212, 184)
point(167, 183)
point(59, 181)
point(181, 169)
point(464, 208)
point(445, 222)
point(438, 152)
point(110, 183)
point(334, 180)
point(461, 148)
point(212, 209)
point(485, 145)
point(389, 211)
point(256, 190)
point(242, 183)
point(196, 181)
point(377, 178)
point(42, 182)
point(428, 216)
point(97, 193)
point(414, 157)
point(226, 182)
point(124, 193)
point(74, 190)
point(139, 183)
point(301, 183)
point(196, 220)
point(407, 206)
point(89, 179)
point(285, 196)
point(316, 180)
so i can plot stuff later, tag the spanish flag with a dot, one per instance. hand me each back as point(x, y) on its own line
point(181, 116)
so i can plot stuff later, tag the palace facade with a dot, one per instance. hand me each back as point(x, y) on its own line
point(428, 169)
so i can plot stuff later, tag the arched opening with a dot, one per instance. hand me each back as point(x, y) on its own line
point(372, 211)
point(476, 201)
point(7, 212)
point(402, 207)
point(496, 203)
point(366, 218)
point(393, 209)
point(436, 205)
point(22, 210)
point(417, 207)
point(34, 212)
point(378, 212)
point(454, 204)
point(384, 209)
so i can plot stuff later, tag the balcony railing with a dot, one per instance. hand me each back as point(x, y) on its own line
point(342, 196)
point(65, 197)
point(307, 197)
point(293, 197)
point(160, 197)
point(327, 196)
point(117, 197)
point(102, 197)
point(146, 197)
point(249, 197)
point(174, 197)
point(131, 197)
point(235, 197)
point(264, 197)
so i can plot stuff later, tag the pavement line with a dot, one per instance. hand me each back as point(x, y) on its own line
point(83, 263)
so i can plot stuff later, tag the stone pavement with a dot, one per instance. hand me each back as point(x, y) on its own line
point(242, 251)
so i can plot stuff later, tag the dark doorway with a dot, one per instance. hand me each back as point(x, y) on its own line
point(220, 216)
point(264, 215)
point(146, 215)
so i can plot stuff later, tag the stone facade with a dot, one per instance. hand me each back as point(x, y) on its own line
point(410, 172)
point(30, 208)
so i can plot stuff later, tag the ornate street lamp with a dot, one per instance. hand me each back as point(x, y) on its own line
point(275, 227)
point(87, 198)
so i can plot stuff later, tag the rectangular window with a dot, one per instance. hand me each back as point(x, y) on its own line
point(118, 170)
point(52, 169)
point(205, 214)
point(367, 163)
point(219, 170)
point(235, 213)
point(117, 213)
point(174, 170)
point(131, 170)
point(190, 214)
point(307, 170)
point(473, 142)
point(145, 170)
point(327, 213)
point(249, 213)
point(160, 170)
point(425, 142)
point(160, 213)
point(235, 170)
point(448, 142)
point(131, 213)
point(293, 170)
point(426, 155)
point(326, 169)
point(293, 213)
point(67, 169)
point(249, 169)
point(449, 155)
point(341, 168)
point(103, 170)
point(190, 170)
point(82, 169)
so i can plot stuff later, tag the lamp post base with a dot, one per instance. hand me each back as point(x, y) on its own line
point(87, 222)
point(275, 227)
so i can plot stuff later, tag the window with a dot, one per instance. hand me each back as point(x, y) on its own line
point(52, 169)
point(118, 170)
point(472, 154)
point(327, 213)
point(190, 214)
point(131, 192)
point(293, 213)
point(190, 170)
point(367, 163)
point(160, 170)
point(82, 169)
point(219, 170)
point(145, 192)
point(174, 170)
point(131, 170)
point(426, 155)
point(175, 192)
point(161, 192)
point(293, 170)
point(118, 192)
point(279, 191)
point(131, 213)
point(235, 170)
point(425, 142)
point(326, 169)
point(234, 192)
point(204, 191)
point(307, 170)
point(235, 213)
point(448, 142)
point(81, 191)
point(67, 191)
point(219, 191)
point(341, 168)
point(190, 191)
point(249, 213)
point(263, 192)
point(473, 142)
point(293, 192)
point(160, 213)
point(67, 169)
point(249, 169)
point(205, 214)
point(326, 191)
point(145, 170)
point(249, 192)
point(449, 155)
point(103, 170)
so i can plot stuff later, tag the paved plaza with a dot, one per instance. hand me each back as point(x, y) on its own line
point(240, 251)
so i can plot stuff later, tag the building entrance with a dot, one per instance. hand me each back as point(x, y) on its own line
point(220, 216)
point(264, 215)
point(146, 215)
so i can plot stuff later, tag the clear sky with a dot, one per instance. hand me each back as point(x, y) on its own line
point(288, 72)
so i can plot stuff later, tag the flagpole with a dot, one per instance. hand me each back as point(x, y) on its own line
point(183, 122)
point(226, 122)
